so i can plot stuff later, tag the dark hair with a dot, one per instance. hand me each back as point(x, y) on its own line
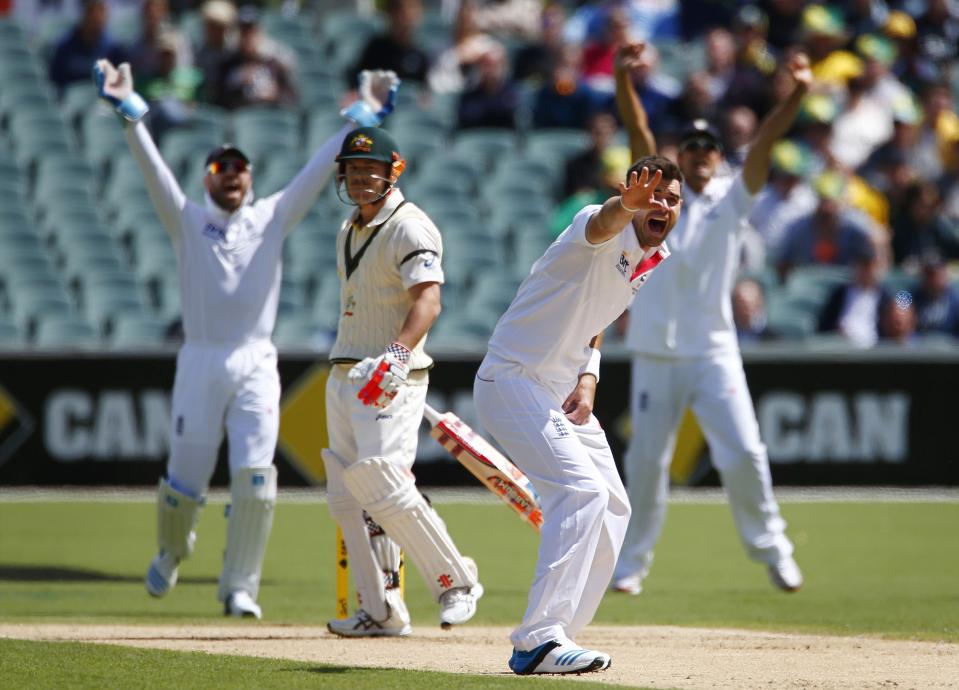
point(653, 163)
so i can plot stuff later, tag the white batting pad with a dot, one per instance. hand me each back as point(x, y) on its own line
point(253, 498)
point(177, 515)
point(389, 495)
point(386, 551)
point(367, 576)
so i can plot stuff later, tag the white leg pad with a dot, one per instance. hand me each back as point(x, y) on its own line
point(386, 551)
point(177, 515)
point(253, 499)
point(389, 495)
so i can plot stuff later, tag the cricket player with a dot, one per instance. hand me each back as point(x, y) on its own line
point(229, 253)
point(534, 393)
point(684, 340)
point(389, 257)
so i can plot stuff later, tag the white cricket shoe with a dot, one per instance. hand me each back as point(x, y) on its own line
point(631, 584)
point(241, 605)
point(786, 575)
point(459, 605)
point(162, 574)
point(362, 624)
point(558, 657)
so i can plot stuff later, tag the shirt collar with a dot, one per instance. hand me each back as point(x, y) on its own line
point(393, 199)
point(631, 244)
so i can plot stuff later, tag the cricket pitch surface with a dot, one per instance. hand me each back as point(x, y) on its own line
point(645, 656)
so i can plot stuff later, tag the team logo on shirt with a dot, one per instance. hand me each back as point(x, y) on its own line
point(350, 306)
point(623, 266)
point(214, 233)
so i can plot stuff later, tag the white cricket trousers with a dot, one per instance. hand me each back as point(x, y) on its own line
point(236, 388)
point(585, 509)
point(715, 389)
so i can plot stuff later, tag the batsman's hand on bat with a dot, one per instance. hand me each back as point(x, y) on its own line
point(377, 90)
point(115, 86)
point(381, 377)
point(578, 406)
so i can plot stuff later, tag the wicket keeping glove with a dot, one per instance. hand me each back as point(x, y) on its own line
point(377, 99)
point(115, 86)
point(381, 377)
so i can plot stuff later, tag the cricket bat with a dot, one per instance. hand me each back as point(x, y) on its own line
point(487, 464)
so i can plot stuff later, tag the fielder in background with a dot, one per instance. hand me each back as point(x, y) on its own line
point(388, 260)
point(684, 340)
point(534, 393)
point(229, 253)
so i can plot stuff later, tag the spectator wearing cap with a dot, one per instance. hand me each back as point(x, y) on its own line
point(833, 234)
point(750, 28)
point(395, 49)
point(814, 124)
point(172, 90)
point(219, 26)
point(613, 164)
point(879, 55)
point(786, 197)
point(251, 76)
point(936, 300)
point(824, 35)
point(911, 67)
point(852, 309)
point(492, 101)
point(85, 43)
point(921, 227)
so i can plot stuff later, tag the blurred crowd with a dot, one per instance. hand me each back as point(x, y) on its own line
point(867, 180)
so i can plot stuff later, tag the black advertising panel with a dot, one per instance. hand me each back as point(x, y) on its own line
point(104, 419)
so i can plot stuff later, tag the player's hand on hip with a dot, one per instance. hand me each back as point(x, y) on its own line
point(578, 406)
point(638, 195)
point(377, 91)
point(115, 86)
point(380, 378)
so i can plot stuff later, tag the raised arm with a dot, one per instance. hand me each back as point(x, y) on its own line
point(775, 125)
point(115, 85)
point(377, 98)
point(631, 110)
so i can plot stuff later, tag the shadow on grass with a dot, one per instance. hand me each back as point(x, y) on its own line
point(57, 573)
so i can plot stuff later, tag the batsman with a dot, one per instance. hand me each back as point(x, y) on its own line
point(229, 256)
point(389, 262)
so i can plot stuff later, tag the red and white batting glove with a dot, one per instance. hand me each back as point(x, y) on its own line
point(381, 377)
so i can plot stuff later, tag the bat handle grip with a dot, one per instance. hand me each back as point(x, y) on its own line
point(432, 416)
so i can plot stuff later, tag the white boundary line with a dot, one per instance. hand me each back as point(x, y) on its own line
point(479, 495)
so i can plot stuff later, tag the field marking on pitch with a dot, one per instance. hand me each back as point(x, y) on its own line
point(479, 495)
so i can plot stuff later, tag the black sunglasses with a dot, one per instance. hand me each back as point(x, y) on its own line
point(695, 145)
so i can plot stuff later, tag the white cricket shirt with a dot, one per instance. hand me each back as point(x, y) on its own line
point(378, 263)
point(230, 264)
point(574, 291)
point(686, 310)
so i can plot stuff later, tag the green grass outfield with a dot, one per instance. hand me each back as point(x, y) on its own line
point(876, 568)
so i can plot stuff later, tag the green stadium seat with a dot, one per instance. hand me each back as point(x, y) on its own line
point(102, 308)
point(10, 336)
point(65, 332)
point(138, 332)
point(78, 99)
point(487, 145)
point(555, 145)
point(28, 307)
